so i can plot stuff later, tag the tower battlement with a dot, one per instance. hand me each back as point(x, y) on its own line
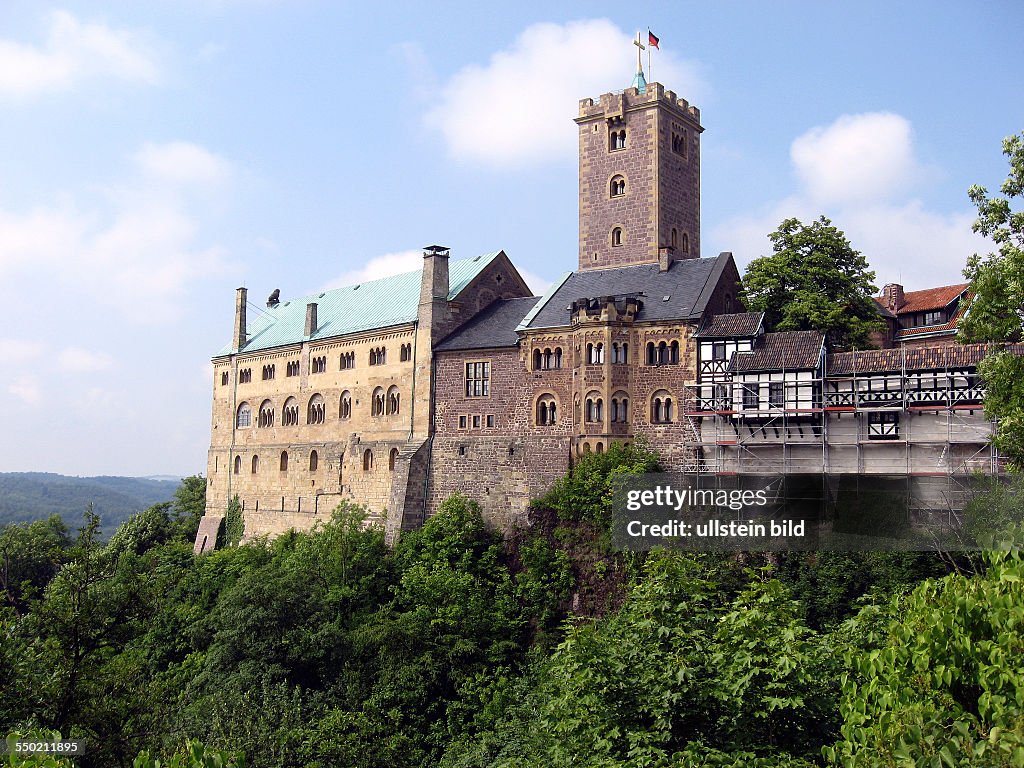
point(617, 102)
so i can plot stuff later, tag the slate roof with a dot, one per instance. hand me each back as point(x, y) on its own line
point(910, 359)
point(381, 303)
point(494, 327)
point(730, 326)
point(687, 283)
point(789, 350)
point(928, 299)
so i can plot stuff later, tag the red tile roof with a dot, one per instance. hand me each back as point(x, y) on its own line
point(928, 299)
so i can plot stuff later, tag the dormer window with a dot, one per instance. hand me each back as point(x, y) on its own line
point(618, 186)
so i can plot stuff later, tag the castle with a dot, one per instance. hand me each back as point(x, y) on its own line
point(398, 392)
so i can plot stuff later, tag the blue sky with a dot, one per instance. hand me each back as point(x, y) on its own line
point(154, 156)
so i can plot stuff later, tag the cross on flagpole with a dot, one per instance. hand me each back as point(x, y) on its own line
point(639, 47)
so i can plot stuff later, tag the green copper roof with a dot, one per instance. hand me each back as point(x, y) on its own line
point(640, 82)
point(379, 303)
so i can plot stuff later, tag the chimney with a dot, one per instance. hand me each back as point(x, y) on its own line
point(310, 319)
point(664, 258)
point(434, 283)
point(238, 340)
point(893, 294)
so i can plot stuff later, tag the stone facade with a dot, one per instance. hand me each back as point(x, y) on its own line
point(298, 428)
point(639, 177)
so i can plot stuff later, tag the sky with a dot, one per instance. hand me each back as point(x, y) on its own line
point(155, 156)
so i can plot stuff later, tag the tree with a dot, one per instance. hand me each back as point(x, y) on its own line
point(997, 280)
point(814, 280)
point(997, 311)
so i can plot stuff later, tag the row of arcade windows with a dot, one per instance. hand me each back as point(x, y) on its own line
point(382, 403)
point(548, 359)
point(663, 353)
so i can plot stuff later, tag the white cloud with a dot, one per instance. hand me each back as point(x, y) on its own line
point(181, 162)
point(860, 172)
point(74, 51)
point(26, 389)
point(78, 360)
point(378, 267)
point(16, 351)
point(537, 283)
point(135, 249)
point(857, 158)
point(518, 108)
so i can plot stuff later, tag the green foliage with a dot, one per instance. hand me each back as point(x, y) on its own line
point(814, 280)
point(947, 686)
point(188, 507)
point(192, 755)
point(233, 526)
point(15, 759)
point(30, 556)
point(1003, 373)
point(585, 493)
point(997, 280)
point(997, 311)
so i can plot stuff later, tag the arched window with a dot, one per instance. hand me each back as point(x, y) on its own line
point(238, 464)
point(244, 418)
point(549, 358)
point(590, 354)
point(615, 410)
point(266, 417)
point(316, 411)
point(616, 237)
point(547, 411)
point(392, 458)
point(290, 412)
point(314, 461)
point(615, 352)
point(558, 357)
point(662, 353)
point(377, 402)
point(345, 410)
point(617, 188)
point(624, 357)
point(675, 238)
point(367, 460)
point(661, 408)
point(599, 448)
point(595, 408)
point(536, 359)
point(393, 401)
point(599, 353)
point(617, 139)
point(686, 243)
point(255, 464)
point(284, 461)
point(673, 352)
point(652, 353)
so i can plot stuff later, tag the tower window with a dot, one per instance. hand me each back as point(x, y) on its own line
point(678, 140)
point(686, 243)
point(314, 461)
point(618, 186)
point(616, 237)
point(392, 459)
point(617, 139)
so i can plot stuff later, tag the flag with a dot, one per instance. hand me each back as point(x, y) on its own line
point(652, 40)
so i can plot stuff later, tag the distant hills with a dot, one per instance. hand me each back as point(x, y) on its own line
point(27, 496)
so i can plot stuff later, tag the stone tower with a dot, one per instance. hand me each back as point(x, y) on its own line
point(639, 177)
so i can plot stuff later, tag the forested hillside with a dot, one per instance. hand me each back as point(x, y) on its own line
point(461, 648)
point(27, 496)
